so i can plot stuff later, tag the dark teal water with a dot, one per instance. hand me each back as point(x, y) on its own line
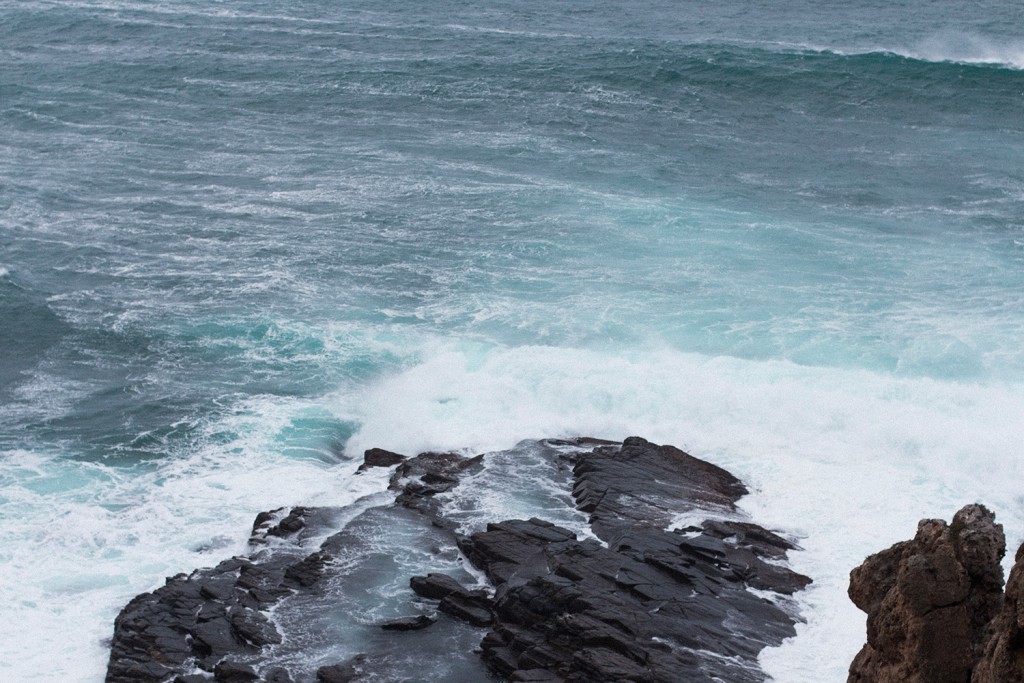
point(241, 242)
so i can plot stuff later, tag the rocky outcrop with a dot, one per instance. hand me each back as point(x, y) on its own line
point(1003, 659)
point(639, 602)
point(210, 624)
point(929, 601)
point(631, 599)
point(202, 620)
point(378, 457)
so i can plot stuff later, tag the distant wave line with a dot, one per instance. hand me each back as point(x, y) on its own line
point(967, 51)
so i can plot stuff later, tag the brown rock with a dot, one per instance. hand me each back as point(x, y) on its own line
point(1003, 659)
point(928, 601)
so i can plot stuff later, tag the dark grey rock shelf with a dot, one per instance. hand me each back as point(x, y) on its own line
point(634, 600)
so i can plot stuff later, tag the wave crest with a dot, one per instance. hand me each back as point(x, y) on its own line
point(955, 49)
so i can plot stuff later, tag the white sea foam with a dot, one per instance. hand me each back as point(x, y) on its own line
point(969, 49)
point(509, 32)
point(846, 461)
point(79, 539)
point(947, 47)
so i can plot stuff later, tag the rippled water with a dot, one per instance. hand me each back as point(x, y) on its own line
point(239, 243)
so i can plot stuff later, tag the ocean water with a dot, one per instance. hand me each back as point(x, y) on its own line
point(240, 242)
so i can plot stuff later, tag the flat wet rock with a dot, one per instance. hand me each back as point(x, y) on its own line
point(629, 599)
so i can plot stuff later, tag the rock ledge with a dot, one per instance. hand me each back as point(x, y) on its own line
point(632, 599)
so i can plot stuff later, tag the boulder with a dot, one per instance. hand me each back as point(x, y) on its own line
point(378, 457)
point(340, 673)
point(408, 623)
point(435, 586)
point(233, 672)
point(929, 600)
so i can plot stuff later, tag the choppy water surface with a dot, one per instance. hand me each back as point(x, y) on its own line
point(241, 242)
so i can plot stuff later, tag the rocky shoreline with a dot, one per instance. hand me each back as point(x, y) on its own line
point(632, 598)
point(637, 596)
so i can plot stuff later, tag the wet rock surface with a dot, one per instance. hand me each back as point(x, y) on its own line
point(408, 623)
point(378, 457)
point(638, 602)
point(632, 599)
point(930, 602)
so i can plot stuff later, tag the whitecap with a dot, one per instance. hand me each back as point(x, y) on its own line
point(845, 461)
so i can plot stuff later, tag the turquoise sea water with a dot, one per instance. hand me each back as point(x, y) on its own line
point(241, 242)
